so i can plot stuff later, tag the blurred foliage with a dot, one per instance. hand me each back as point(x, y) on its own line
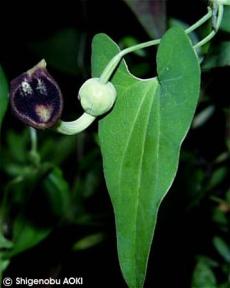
point(60, 202)
point(220, 56)
point(151, 14)
point(63, 50)
point(203, 275)
point(3, 95)
point(225, 25)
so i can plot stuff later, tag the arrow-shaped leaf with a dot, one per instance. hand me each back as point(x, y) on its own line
point(140, 141)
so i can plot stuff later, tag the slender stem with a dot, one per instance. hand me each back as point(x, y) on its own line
point(140, 46)
point(33, 137)
point(76, 126)
point(205, 40)
point(200, 22)
point(220, 16)
point(33, 151)
point(110, 68)
point(216, 28)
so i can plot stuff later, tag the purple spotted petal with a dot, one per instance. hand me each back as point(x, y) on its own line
point(36, 98)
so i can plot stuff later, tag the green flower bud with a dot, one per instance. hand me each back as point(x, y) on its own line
point(97, 97)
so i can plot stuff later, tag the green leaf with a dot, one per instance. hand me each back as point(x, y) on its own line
point(203, 276)
point(225, 24)
point(222, 248)
point(57, 190)
point(17, 145)
point(140, 141)
point(26, 236)
point(4, 243)
point(203, 116)
point(217, 177)
point(56, 154)
point(220, 218)
point(88, 241)
point(224, 285)
point(4, 263)
point(62, 50)
point(219, 56)
point(3, 95)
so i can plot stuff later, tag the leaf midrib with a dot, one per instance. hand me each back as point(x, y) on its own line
point(148, 88)
point(128, 141)
point(141, 164)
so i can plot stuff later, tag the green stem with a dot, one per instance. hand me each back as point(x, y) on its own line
point(112, 65)
point(200, 22)
point(220, 16)
point(205, 40)
point(33, 138)
point(33, 151)
point(216, 28)
point(76, 126)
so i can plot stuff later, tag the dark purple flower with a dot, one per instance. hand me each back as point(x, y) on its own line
point(36, 98)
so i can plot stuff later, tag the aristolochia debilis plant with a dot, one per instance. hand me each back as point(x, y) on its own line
point(140, 138)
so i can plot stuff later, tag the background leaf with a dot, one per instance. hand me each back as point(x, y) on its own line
point(151, 14)
point(140, 141)
point(203, 116)
point(3, 265)
point(88, 241)
point(219, 56)
point(57, 190)
point(222, 248)
point(26, 235)
point(225, 24)
point(203, 275)
point(3, 95)
point(4, 243)
point(62, 50)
